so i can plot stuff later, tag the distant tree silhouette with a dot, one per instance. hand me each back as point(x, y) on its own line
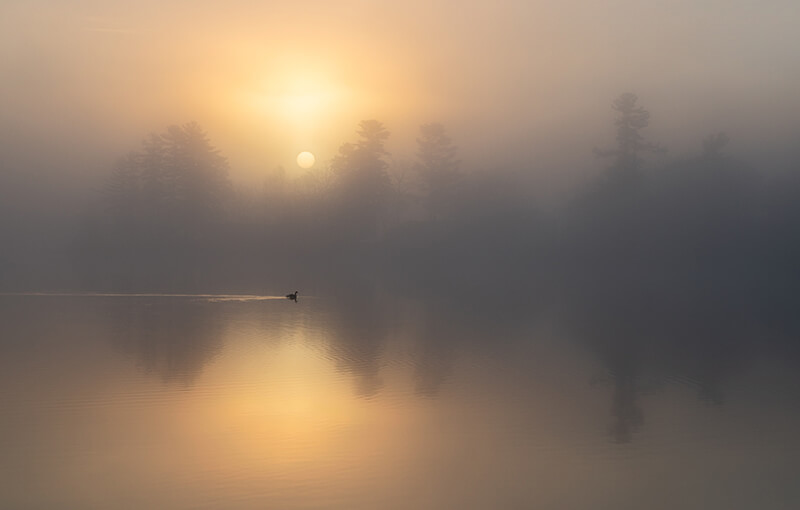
point(156, 182)
point(373, 136)
point(362, 178)
point(164, 204)
point(438, 169)
point(197, 174)
point(177, 179)
point(630, 143)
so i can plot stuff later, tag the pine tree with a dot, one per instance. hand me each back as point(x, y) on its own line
point(362, 178)
point(438, 169)
point(630, 143)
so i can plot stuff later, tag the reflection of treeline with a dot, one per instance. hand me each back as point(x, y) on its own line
point(173, 339)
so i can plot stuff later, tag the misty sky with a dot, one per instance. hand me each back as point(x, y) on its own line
point(513, 81)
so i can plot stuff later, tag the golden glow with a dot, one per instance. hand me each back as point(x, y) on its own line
point(305, 160)
point(290, 407)
point(266, 79)
point(299, 98)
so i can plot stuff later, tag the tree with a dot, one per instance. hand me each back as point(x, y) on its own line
point(165, 203)
point(362, 178)
point(177, 179)
point(373, 136)
point(196, 173)
point(158, 186)
point(630, 143)
point(438, 169)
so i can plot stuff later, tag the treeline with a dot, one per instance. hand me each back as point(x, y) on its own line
point(169, 219)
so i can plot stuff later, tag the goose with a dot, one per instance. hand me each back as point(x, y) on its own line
point(293, 297)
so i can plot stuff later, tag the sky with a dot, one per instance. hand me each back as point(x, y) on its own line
point(516, 83)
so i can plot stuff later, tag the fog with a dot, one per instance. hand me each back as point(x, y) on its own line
point(539, 246)
point(473, 146)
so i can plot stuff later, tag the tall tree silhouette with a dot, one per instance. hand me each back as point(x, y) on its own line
point(158, 186)
point(177, 178)
point(631, 119)
point(362, 178)
point(164, 204)
point(198, 173)
point(438, 169)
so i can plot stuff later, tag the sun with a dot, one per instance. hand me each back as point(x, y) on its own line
point(305, 160)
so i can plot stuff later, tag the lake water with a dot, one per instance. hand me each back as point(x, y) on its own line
point(374, 401)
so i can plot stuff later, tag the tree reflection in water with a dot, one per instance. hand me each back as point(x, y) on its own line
point(641, 341)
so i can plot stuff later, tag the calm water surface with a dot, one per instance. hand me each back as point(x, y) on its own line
point(372, 401)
